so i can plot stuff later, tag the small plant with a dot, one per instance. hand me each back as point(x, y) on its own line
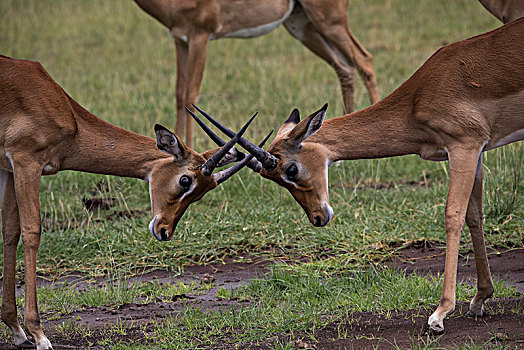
point(504, 183)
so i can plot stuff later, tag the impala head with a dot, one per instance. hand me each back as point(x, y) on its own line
point(302, 166)
point(176, 182)
point(294, 163)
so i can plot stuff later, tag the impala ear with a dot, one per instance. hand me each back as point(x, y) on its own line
point(294, 117)
point(290, 123)
point(307, 127)
point(168, 142)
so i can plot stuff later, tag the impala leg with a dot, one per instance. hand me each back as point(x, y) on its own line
point(474, 217)
point(308, 35)
point(11, 237)
point(196, 63)
point(181, 86)
point(332, 23)
point(346, 42)
point(27, 187)
point(462, 167)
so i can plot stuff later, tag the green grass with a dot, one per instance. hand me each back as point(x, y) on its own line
point(292, 300)
point(120, 64)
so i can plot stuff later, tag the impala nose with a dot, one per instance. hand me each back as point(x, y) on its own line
point(163, 234)
point(320, 221)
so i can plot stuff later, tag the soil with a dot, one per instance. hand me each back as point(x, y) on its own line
point(364, 330)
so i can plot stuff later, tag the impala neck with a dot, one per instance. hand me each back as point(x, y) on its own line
point(381, 130)
point(101, 148)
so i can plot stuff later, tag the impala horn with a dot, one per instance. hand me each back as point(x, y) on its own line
point(210, 165)
point(226, 174)
point(269, 162)
point(254, 164)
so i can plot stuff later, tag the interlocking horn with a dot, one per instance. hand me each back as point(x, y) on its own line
point(269, 162)
point(254, 164)
point(214, 137)
point(210, 165)
point(226, 174)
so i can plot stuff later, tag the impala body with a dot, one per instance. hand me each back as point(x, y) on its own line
point(466, 99)
point(321, 25)
point(43, 131)
point(505, 10)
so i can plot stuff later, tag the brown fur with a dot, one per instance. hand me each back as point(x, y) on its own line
point(467, 98)
point(43, 131)
point(505, 10)
point(321, 25)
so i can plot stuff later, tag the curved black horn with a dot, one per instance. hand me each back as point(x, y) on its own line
point(254, 164)
point(269, 162)
point(216, 139)
point(226, 174)
point(210, 165)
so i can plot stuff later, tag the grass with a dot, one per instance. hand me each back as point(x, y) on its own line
point(120, 64)
point(292, 300)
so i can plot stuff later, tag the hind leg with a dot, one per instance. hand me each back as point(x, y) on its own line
point(474, 221)
point(330, 20)
point(299, 26)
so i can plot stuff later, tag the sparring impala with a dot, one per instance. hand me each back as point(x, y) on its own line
point(321, 25)
point(467, 98)
point(43, 131)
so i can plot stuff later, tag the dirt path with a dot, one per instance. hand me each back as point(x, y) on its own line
point(362, 331)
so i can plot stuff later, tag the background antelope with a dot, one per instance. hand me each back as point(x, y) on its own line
point(466, 99)
point(321, 25)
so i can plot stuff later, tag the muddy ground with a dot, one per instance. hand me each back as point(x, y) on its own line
point(364, 330)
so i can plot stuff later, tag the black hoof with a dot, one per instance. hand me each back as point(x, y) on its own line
point(26, 345)
point(471, 314)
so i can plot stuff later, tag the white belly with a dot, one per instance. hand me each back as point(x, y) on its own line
point(516, 136)
point(261, 29)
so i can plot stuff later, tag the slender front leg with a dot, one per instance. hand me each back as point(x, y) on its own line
point(27, 187)
point(474, 217)
point(181, 85)
point(195, 72)
point(462, 167)
point(11, 237)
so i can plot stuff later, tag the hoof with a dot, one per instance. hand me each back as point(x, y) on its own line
point(474, 314)
point(44, 344)
point(434, 329)
point(435, 325)
point(27, 344)
point(476, 310)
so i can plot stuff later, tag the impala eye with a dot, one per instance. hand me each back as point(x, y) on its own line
point(292, 172)
point(185, 182)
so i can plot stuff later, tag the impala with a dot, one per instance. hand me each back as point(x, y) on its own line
point(467, 98)
point(43, 131)
point(321, 25)
point(505, 10)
